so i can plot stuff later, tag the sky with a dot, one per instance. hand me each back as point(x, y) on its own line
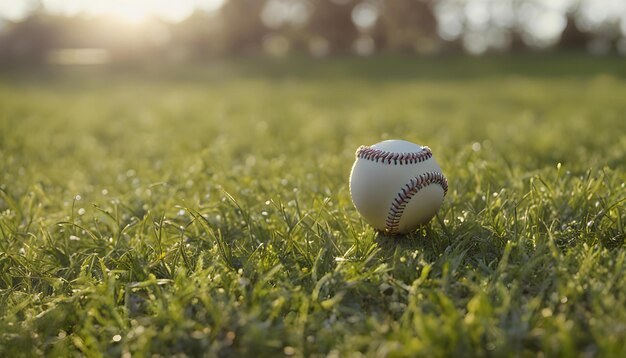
point(128, 10)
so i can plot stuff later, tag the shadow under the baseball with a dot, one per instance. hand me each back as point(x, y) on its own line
point(449, 252)
point(424, 239)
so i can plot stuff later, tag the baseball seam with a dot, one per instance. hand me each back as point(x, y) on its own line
point(405, 194)
point(381, 156)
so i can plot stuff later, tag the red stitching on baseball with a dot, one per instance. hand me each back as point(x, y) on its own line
point(381, 156)
point(407, 192)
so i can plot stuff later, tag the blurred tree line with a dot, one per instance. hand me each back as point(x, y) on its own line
point(319, 28)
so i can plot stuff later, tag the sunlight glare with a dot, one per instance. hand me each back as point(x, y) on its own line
point(132, 11)
point(15, 11)
point(173, 11)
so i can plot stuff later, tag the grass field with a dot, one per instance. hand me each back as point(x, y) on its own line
point(206, 211)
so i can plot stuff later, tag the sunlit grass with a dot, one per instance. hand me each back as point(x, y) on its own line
point(207, 211)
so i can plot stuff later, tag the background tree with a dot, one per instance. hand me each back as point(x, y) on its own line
point(332, 21)
point(409, 26)
point(242, 29)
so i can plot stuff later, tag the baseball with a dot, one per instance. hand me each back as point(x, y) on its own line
point(396, 185)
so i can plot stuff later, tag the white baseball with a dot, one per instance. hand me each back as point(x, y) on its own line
point(397, 185)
